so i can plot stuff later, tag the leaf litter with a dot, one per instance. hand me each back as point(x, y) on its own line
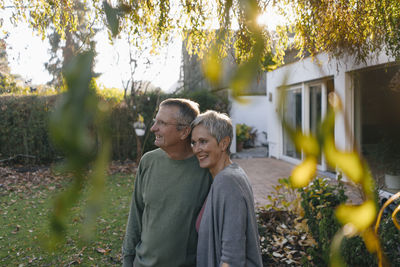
point(284, 238)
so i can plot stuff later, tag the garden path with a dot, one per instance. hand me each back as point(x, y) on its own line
point(264, 172)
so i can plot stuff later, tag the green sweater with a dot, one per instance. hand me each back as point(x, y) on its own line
point(167, 198)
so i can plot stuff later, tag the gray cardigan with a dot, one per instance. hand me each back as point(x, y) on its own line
point(228, 230)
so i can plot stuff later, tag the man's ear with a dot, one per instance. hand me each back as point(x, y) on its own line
point(224, 143)
point(185, 132)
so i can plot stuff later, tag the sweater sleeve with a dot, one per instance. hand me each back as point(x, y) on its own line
point(134, 225)
point(233, 221)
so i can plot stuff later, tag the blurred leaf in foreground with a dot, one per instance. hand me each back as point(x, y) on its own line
point(78, 127)
point(360, 217)
point(303, 173)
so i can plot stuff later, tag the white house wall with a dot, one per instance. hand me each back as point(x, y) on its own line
point(306, 71)
point(253, 111)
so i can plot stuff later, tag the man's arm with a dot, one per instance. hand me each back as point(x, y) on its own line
point(134, 225)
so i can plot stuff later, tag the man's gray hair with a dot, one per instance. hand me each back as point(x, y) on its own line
point(188, 110)
point(219, 125)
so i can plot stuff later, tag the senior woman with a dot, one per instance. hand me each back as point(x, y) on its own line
point(227, 226)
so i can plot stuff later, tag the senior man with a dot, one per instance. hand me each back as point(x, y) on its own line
point(169, 191)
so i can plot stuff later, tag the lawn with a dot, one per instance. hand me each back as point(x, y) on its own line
point(27, 195)
point(25, 201)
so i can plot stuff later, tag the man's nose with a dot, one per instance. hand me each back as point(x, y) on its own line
point(154, 127)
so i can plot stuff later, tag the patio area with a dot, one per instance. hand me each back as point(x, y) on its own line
point(264, 173)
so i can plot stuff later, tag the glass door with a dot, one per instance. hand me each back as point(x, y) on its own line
point(293, 117)
point(315, 109)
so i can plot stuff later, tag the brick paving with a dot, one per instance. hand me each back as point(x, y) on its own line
point(264, 172)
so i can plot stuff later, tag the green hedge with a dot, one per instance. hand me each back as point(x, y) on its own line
point(23, 128)
point(24, 134)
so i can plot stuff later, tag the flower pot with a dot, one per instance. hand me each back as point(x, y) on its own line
point(239, 146)
point(392, 181)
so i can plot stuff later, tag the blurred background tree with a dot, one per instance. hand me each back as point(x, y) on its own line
point(75, 41)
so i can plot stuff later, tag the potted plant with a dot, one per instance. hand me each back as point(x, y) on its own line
point(243, 132)
point(391, 162)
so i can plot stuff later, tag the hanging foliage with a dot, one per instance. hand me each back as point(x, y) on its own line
point(343, 27)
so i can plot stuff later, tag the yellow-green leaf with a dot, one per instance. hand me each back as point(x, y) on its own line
point(307, 143)
point(212, 66)
point(371, 240)
point(303, 173)
point(348, 162)
point(359, 216)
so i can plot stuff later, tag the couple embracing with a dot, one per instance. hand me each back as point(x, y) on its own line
point(191, 205)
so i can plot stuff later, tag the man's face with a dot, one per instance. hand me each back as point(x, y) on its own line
point(165, 127)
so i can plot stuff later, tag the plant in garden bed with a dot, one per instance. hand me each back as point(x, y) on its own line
point(319, 201)
point(298, 227)
point(284, 235)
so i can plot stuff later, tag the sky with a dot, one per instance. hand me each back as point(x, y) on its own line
point(27, 54)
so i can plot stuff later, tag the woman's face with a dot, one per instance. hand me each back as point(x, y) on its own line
point(205, 147)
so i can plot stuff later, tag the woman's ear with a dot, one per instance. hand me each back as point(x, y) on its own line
point(225, 143)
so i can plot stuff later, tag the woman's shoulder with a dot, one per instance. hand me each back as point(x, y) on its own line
point(232, 176)
point(231, 171)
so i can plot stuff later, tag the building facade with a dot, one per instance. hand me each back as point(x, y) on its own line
point(369, 91)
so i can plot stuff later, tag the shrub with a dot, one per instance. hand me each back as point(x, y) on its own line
point(8, 85)
point(207, 99)
point(23, 128)
point(284, 197)
point(390, 237)
point(24, 123)
point(318, 201)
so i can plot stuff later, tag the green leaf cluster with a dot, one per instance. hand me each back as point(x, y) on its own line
point(243, 132)
point(72, 127)
point(318, 201)
point(343, 27)
point(284, 197)
point(8, 85)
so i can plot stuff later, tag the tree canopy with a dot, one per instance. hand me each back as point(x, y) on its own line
point(211, 28)
point(336, 27)
point(355, 27)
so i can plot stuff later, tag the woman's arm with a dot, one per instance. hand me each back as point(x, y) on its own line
point(233, 215)
point(224, 264)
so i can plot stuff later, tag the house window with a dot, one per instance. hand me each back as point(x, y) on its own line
point(306, 105)
point(294, 118)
